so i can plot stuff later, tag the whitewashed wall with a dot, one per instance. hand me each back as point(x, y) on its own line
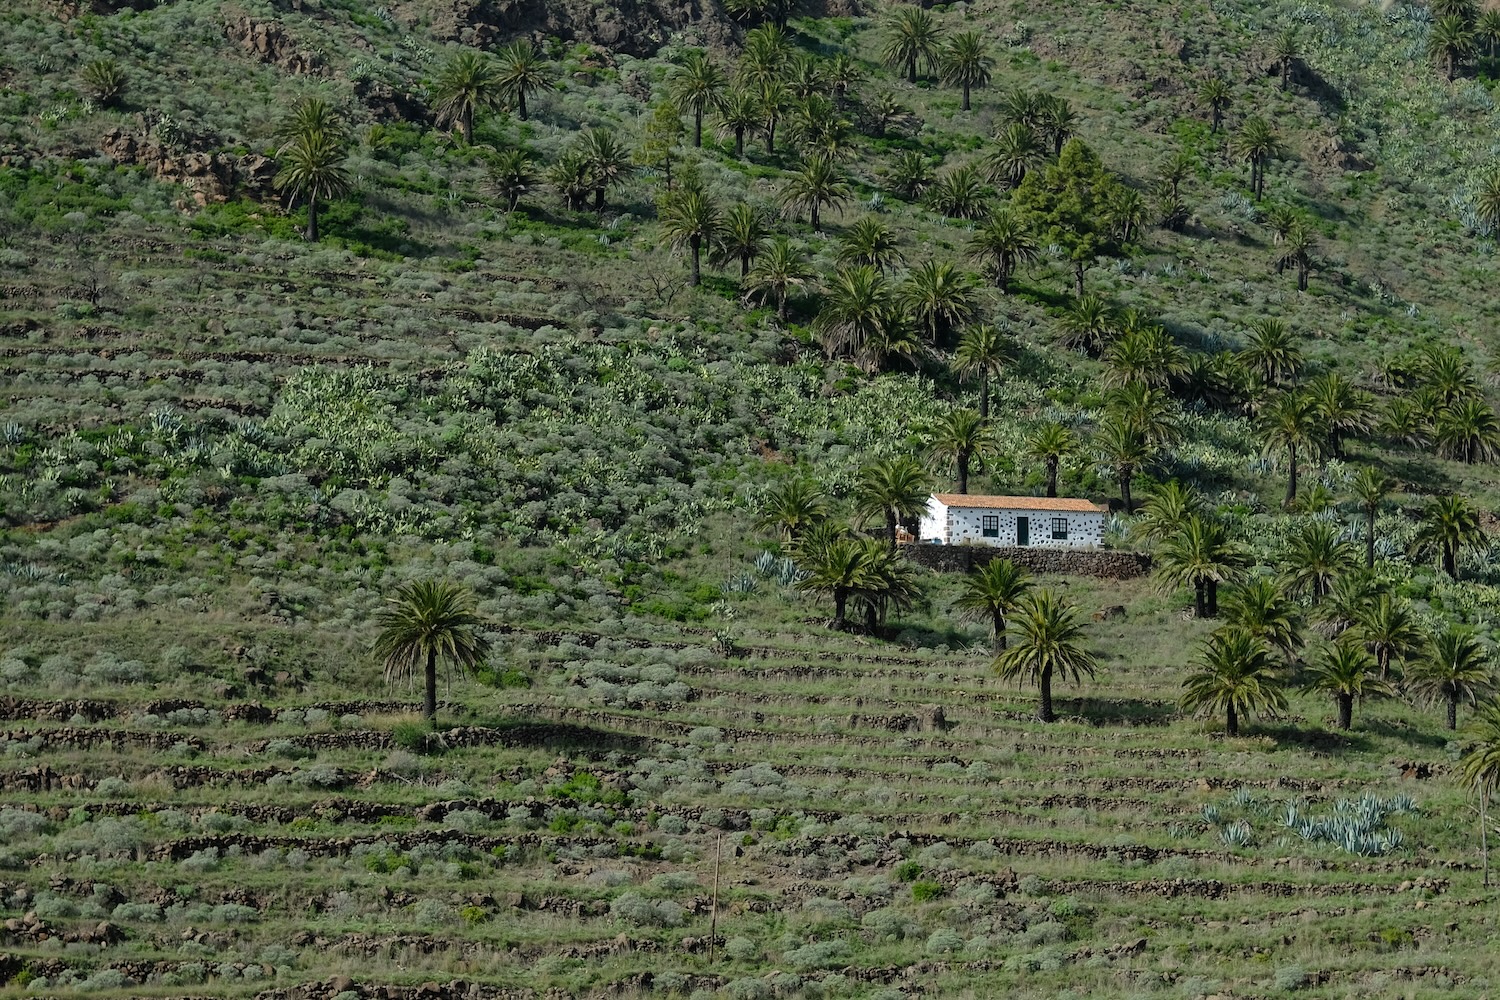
point(965, 526)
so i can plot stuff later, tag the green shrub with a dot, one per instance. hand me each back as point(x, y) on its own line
point(921, 892)
point(908, 871)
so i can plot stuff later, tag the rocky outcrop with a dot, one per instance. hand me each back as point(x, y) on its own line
point(208, 176)
point(1101, 563)
point(388, 104)
point(269, 42)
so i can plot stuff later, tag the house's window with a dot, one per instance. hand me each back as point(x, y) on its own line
point(1059, 529)
point(989, 525)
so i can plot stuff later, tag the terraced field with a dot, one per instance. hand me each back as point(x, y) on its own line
point(858, 820)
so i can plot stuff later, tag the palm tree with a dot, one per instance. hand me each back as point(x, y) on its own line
point(780, 269)
point(959, 439)
point(983, 350)
point(857, 305)
point(1262, 608)
point(764, 56)
point(835, 569)
point(965, 62)
point(1056, 119)
point(1236, 676)
point(1215, 94)
point(1451, 525)
point(1286, 51)
point(888, 582)
point(1089, 325)
point(1349, 599)
point(960, 193)
point(1450, 40)
point(939, 296)
point(912, 37)
point(1126, 447)
point(742, 234)
point(468, 83)
point(1487, 30)
point(870, 241)
point(1479, 768)
point(571, 176)
point(607, 158)
point(1050, 444)
point(1390, 630)
point(893, 489)
point(1370, 487)
point(1201, 554)
point(1002, 241)
point(698, 86)
point(1486, 191)
point(1144, 355)
point(1343, 669)
point(910, 175)
point(897, 337)
point(1048, 642)
point(991, 592)
point(817, 184)
point(792, 507)
point(312, 167)
point(1468, 430)
point(424, 622)
point(1316, 558)
point(1453, 668)
point(739, 112)
point(1150, 410)
point(843, 72)
point(690, 219)
point(1178, 169)
point(1342, 408)
point(1290, 424)
point(1017, 149)
point(513, 174)
point(520, 71)
point(1257, 144)
point(1166, 510)
point(1297, 251)
point(1272, 351)
point(105, 82)
point(309, 116)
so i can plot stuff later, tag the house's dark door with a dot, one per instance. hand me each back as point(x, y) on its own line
point(1023, 531)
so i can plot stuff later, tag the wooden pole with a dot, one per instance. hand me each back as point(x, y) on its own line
point(713, 919)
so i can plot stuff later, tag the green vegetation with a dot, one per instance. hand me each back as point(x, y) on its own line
point(641, 343)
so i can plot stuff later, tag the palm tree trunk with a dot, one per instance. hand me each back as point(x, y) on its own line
point(1291, 476)
point(1046, 714)
point(911, 70)
point(1213, 598)
point(466, 125)
point(781, 305)
point(1051, 475)
point(890, 528)
point(816, 229)
point(697, 128)
point(770, 136)
point(871, 621)
point(1346, 709)
point(696, 246)
point(739, 143)
point(598, 199)
point(312, 217)
point(1078, 278)
point(963, 472)
point(1383, 660)
point(1302, 272)
point(521, 103)
point(840, 602)
point(1370, 538)
point(744, 265)
point(966, 97)
point(1231, 722)
point(984, 393)
point(1453, 710)
point(429, 699)
point(1125, 475)
point(1200, 598)
point(998, 638)
point(1450, 560)
point(1002, 272)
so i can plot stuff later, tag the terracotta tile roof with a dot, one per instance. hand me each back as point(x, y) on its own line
point(1019, 503)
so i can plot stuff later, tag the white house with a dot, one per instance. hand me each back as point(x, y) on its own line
point(1051, 522)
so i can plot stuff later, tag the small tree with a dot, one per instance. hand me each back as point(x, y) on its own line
point(892, 490)
point(965, 63)
point(792, 508)
point(1479, 769)
point(1200, 553)
point(1369, 488)
point(816, 186)
point(912, 38)
point(105, 82)
point(312, 168)
point(991, 592)
point(1215, 94)
point(1390, 631)
point(1070, 202)
point(1048, 643)
point(1236, 676)
point(428, 621)
point(690, 220)
point(779, 270)
point(1257, 144)
point(1050, 444)
point(468, 83)
point(698, 87)
point(1002, 241)
point(1290, 424)
point(1451, 525)
point(984, 351)
point(1453, 669)
point(960, 439)
point(520, 71)
point(513, 174)
point(1344, 670)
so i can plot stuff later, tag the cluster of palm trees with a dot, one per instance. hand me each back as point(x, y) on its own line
point(1459, 28)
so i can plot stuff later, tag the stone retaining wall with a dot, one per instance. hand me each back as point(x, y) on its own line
point(1102, 563)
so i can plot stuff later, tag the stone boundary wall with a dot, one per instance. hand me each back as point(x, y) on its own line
point(1101, 563)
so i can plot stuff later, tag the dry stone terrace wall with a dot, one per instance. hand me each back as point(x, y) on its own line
point(1068, 562)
